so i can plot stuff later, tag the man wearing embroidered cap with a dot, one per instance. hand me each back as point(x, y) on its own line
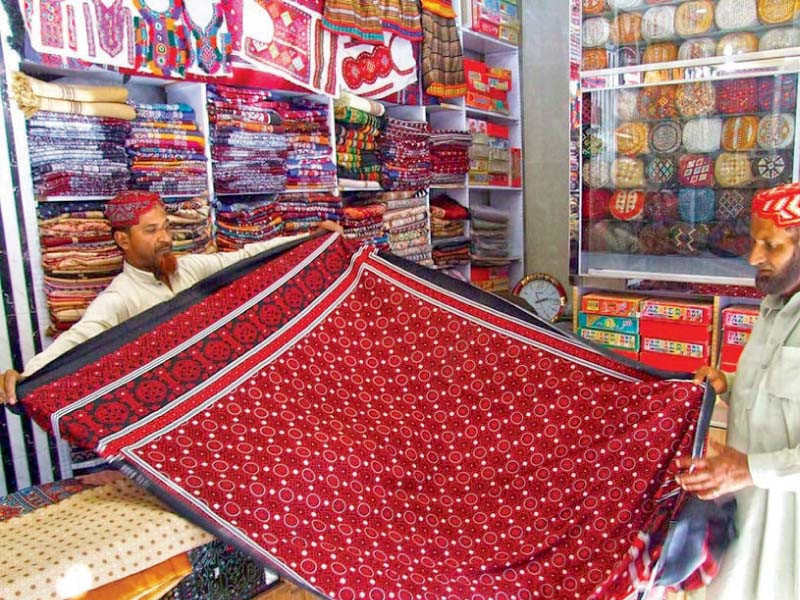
point(151, 274)
point(761, 463)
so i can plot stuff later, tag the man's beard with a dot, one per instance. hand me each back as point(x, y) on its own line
point(783, 281)
point(166, 265)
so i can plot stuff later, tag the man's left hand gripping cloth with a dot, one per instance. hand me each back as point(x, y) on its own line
point(371, 430)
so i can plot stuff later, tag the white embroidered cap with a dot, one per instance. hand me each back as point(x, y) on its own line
point(627, 105)
point(776, 132)
point(596, 32)
point(736, 14)
point(782, 37)
point(624, 4)
point(658, 23)
point(702, 135)
point(697, 48)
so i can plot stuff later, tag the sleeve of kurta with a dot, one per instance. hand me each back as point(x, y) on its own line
point(779, 470)
point(200, 266)
point(105, 311)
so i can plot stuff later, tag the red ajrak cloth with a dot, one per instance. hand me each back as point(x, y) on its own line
point(370, 433)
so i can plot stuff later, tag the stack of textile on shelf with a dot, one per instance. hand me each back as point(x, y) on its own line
point(304, 212)
point(167, 150)
point(450, 156)
point(309, 164)
point(490, 236)
point(450, 244)
point(248, 143)
point(405, 154)
point(406, 225)
point(358, 126)
point(191, 225)
point(79, 258)
point(246, 219)
point(363, 220)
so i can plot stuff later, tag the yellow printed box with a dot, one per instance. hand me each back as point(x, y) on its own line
point(612, 339)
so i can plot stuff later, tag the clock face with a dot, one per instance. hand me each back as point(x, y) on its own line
point(544, 297)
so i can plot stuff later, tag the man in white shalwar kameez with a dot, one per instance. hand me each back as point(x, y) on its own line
point(761, 463)
point(151, 274)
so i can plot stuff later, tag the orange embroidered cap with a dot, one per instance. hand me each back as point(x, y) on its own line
point(124, 209)
point(780, 204)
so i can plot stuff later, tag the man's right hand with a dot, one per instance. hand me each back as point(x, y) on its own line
point(715, 378)
point(8, 391)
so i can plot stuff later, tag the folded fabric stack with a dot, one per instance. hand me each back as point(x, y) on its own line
point(450, 156)
point(309, 165)
point(363, 221)
point(74, 155)
point(450, 244)
point(405, 154)
point(167, 150)
point(490, 236)
point(245, 219)
point(356, 146)
point(191, 226)
point(406, 224)
point(79, 258)
point(304, 212)
point(249, 147)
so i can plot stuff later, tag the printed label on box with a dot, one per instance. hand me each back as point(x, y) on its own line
point(674, 347)
point(627, 325)
point(610, 338)
point(739, 317)
point(736, 337)
point(664, 309)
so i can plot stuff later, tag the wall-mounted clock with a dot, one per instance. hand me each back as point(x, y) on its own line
point(544, 293)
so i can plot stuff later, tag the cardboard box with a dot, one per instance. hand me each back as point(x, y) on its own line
point(474, 66)
point(486, 273)
point(516, 167)
point(496, 130)
point(477, 100)
point(671, 330)
point(611, 339)
point(669, 362)
point(607, 303)
point(678, 310)
point(741, 317)
point(498, 179)
point(629, 325)
point(476, 126)
point(675, 347)
point(499, 78)
point(735, 337)
point(626, 353)
point(729, 355)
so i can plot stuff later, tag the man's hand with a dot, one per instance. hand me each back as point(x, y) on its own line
point(724, 472)
point(715, 378)
point(330, 226)
point(8, 390)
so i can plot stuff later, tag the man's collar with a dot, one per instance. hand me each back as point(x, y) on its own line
point(777, 302)
point(137, 273)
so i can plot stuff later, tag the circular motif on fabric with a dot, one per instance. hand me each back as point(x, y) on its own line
point(594, 143)
point(660, 52)
point(732, 169)
point(731, 239)
point(774, 12)
point(666, 136)
point(662, 171)
point(593, 7)
point(736, 14)
point(733, 204)
point(151, 392)
point(658, 102)
point(655, 239)
point(626, 28)
point(739, 133)
point(594, 204)
point(628, 173)
point(772, 169)
point(110, 412)
point(697, 48)
point(696, 99)
point(658, 23)
point(595, 32)
point(627, 205)
point(661, 206)
point(777, 94)
point(696, 170)
point(595, 59)
point(702, 135)
point(689, 239)
point(629, 56)
point(776, 132)
point(631, 138)
point(696, 205)
point(732, 44)
point(737, 96)
point(694, 18)
point(627, 109)
point(776, 39)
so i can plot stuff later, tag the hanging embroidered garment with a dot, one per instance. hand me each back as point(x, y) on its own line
point(211, 47)
point(402, 17)
point(442, 56)
point(377, 70)
point(162, 39)
point(360, 19)
point(111, 25)
point(421, 433)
